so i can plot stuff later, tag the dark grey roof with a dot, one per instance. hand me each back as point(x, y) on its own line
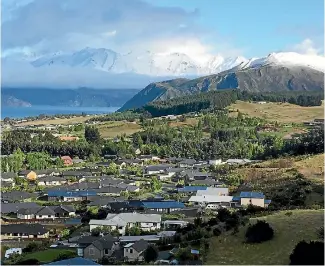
point(24, 172)
point(46, 210)
point(6, 184)
point(105, 243)
point(110, 189)
point(140, 245)
point(104, 200)
point(68, 208)
point(110, 181)
point(14, 207)
point(28, 211)
point(76, 173)
point(175, 170)
point(30, 229)
point(17, 195)
point(51, 178)
point(158, 167)
point(207, 181)
point(46, 171)
point(87, 240)
point(188, 161)
point(8, 175)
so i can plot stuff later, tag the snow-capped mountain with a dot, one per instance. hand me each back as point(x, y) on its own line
point(146, 63)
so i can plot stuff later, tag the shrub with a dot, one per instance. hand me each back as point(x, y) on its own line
point(150, 254)
point(311, 253)
point(259, 232)
point(320, 233)
point(216, 232)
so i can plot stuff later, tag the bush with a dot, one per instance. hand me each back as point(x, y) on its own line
point(150, 254)
point(28, 262)
point(216, 232)
point(259, 232)
point(311, 253)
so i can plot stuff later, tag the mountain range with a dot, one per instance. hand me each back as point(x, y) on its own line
point(107, 69)
point(276, 72)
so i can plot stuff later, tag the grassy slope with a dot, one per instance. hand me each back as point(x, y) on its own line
point(289, 230)
point(114, 128)
point(48, 255)
point(281, 112)
point(59, 121)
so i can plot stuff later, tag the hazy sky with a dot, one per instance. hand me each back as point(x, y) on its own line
point(251, 28)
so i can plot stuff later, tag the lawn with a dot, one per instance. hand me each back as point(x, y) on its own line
point(48, 255)
point(289, 230)
point(115, 128)
point(59, 121)
point(281, 112)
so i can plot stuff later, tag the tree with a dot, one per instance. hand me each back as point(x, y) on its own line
point(155, 184)
point(59, 162)
point(92, 134)
point(95, 231)
point(38, 160)
point(150, 254)
point(259, 232)
point(65, 233)
point(311, 253)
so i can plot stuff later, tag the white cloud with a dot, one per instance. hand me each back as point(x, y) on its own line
point(307, 46)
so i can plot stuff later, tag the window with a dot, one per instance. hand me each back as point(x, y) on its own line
point(106, 251)
point(131, 250)
point(91, 251)
point(120, 227)
point(49, 216)
point(40, 216)
point(154, 224)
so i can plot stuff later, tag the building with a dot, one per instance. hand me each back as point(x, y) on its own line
point(46, 212)
point(104, 246)
point(191, 189)
point(212, 202)
point(7, 208)
point(187, 163)
point(74, 261)
point(146, 158)
point(134, 251)
point(215, 162)
point(238, 161)
point(68, 138)
point(67, 160)
point(60, 195)
point(167, 206)
point(217, 191)
point(253, 198)
point(146, 222)
point(51, 181)
point(157, 169)
point(28, 174)
point(15, 231)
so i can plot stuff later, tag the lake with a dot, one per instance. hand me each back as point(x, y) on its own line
point(21, 112)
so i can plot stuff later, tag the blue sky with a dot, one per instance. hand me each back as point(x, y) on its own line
point(250, 28)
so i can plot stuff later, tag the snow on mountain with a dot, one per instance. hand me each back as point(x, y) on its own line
point(288, 59)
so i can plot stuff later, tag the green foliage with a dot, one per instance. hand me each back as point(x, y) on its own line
point(92, 134)
point(311, 253)
point(13, 163)
point(259, 232)
point(38, 160)
point(155, 184)
point(112, 169)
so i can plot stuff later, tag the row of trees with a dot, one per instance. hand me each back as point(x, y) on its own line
point(220, 99)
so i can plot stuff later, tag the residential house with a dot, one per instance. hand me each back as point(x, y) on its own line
point(79, 173)
point(67, 160)
point(104, 201)
point(16, 196)
point(157, 169)
point(212, 202)
point(7, 208)
point(145, 222)
point(215, 162)
point(253, 198)
point(68, 138)
point(205, 182)
point(28, 174)
point(104, 246)
point(15, 231)
point(51, 181)
point(46, 212)
point(146, 158)
point(47, 172)
point(187, 163)
point(167, 206)
point(174, 224)
point(12, 251)
point(74, 261)
point(134, 251)
point(217, 191)
point(58, 195)
point(110, 191)
point(8, 177)
point(77, 161)
point(191, 189)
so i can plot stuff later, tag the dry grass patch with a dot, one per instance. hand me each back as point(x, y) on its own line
point(312, 167)
point(59, 121)
point(281, 112)
point(187, 122)
point(289, 228)
point(116, 128)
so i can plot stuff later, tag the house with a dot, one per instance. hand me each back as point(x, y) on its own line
point(15, 231)
point(7, 208)
point(68, 138)
point(51, 181)
point(12, 251)
point(174, 224)
point(215, 162)
point(131, 239)
point(28, 174)
point(76, 161)
point(145, 222)
point(190, 189)
point(124, 162)
point(110, 191)
point(104, 246)
point(187, 163)
point(78, 174)
point(212, 202)
point(74, 261)
point(205, 182)
point(103, 201)
point(157, 169)
point(146, 158)
point(46, 212)
point(163, 206)
point(217, 191)
point(58, 195)
point(67, 160)
point(47, 172)
point(254, 198)
point(8, 177)
point(134, 251)
point(15, 196)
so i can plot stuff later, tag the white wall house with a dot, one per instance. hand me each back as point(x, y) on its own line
point(211, 201)
point(146, 222)
point(215, 162)
point(214, 191)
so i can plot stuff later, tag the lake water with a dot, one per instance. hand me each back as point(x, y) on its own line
point(21, 112)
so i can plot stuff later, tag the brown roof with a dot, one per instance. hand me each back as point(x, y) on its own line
point(68, 138)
